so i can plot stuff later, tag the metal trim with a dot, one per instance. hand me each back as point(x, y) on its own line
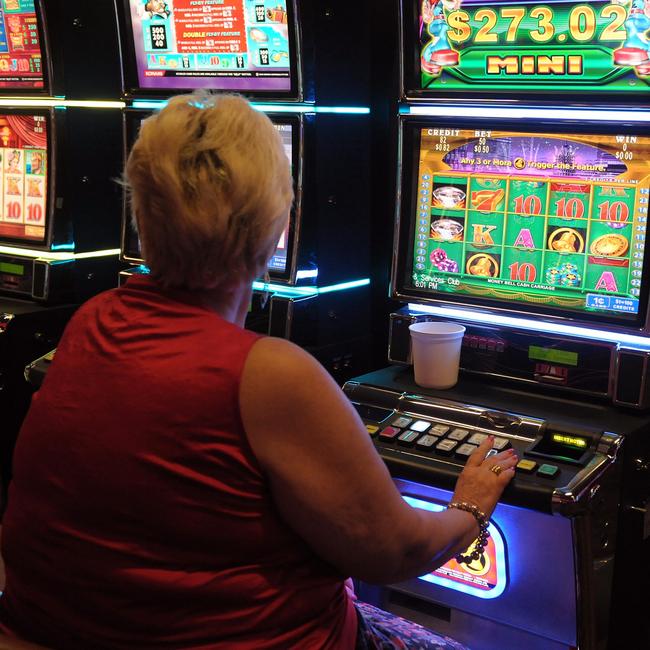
point(569, 499)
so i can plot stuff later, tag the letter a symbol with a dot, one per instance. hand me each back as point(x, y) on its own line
point(607, 282)
point(524, 239)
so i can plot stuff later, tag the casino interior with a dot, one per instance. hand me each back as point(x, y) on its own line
point(454, 161)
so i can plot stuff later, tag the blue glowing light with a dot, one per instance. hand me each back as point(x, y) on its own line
point(306, 292)
point(610, 336)
point(500, 559)
point(156, 104)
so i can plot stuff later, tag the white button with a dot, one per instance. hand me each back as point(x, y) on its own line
point(421, 426)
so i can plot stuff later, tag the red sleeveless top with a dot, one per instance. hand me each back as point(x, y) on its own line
point(138, 516)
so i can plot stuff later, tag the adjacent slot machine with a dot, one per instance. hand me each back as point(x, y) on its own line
point(316, 296)
point(523, 183)
point(23, 68)
point(241, 46)
point(283, 265)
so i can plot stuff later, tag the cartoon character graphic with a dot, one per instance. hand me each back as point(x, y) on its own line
point(438, 53)
point(16, 35)
point(277, 15)
point(157, 9)
point(13, 161)
point(37, 163)
point(635, 52)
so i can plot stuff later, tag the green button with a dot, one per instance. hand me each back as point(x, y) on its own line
point(548, 471)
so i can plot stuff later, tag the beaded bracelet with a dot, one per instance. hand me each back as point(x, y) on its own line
point(483, 533)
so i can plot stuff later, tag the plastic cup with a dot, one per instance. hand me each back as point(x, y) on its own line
point(435, 350)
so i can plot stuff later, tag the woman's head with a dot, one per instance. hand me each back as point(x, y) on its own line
point(211, 190)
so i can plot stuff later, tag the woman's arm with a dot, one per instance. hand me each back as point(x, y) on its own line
point(331, 486)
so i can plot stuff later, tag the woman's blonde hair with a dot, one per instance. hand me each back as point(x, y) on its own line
point(210, 190)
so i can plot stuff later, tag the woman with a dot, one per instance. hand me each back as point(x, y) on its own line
point(180, 482)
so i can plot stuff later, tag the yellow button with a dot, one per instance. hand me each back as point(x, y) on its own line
point(372, 429)
point(526, 465)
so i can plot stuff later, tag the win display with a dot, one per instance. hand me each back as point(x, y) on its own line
point(21, 64)
point(590, 46)
point(548, 220)
point(23, 177)
point(240, 45)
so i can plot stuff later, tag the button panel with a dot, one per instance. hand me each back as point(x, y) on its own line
point(456, 442)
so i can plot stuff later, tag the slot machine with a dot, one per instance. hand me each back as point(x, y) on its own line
point(315, 296)
point(59, 206)
point(523, 183)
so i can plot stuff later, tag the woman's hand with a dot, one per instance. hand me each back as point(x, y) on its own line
point(478, 484)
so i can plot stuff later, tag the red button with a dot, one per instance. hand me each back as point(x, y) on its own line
point(389, 433)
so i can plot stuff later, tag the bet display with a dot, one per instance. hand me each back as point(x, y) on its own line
point(21, 65)
point(239, 45)
point(548, 220)
point(563, 47)
point(23, 179)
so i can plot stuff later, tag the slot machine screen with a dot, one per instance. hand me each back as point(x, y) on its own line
point(528, 46)
point(539, 221)
point(24, 177)
point(245, 46)
point(21, 58)
point(280, 265)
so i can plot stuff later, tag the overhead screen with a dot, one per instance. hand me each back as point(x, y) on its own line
point(543, 221)
point(24, 177)
point(555, 47)
point(21, 58)
point(239, 45)
point(279, 264)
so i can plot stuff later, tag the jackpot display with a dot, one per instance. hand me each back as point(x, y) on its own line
point(548, 220)
point(240, 45)
point(524, 46)
point(23, 178)
point(21, 65)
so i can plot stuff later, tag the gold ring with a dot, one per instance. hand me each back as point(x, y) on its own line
point(497, 469)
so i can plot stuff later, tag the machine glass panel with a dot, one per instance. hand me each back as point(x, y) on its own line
point(247, 46)
point(524, 47)
point(21, 57)
point(280, 264)
point(547, 222)
point(24, 153)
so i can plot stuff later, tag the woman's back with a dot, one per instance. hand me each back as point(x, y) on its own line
point(144, 520)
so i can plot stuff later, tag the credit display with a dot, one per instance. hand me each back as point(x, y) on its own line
point(553, 221)
point(240, 45)
point(556, 46)
point(21, 65)
point(23, 179)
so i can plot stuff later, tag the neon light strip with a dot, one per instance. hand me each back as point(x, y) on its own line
point(48, 255)
point(640, 342)
point(556, 113)
point(272, 108)
point(306, 292)
point(59, 103)
point(457, 586)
